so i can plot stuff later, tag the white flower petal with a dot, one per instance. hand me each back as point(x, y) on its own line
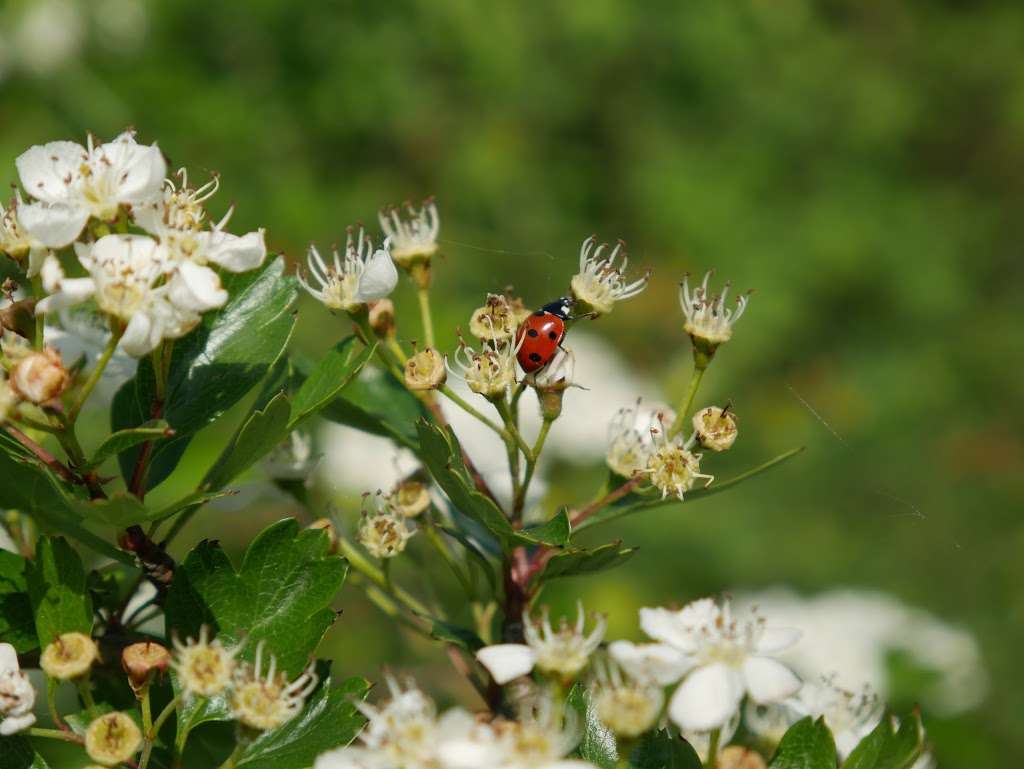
point(507, 661)
point(63, 292)
point(138, 339)
point(8, 659)
point(776, 639)
point(707, 698)
point(196, 288)
point(47, 170)
point(345, 758)
point(379, 278)
point(53, 225)
point(664, 625)
point(657, 663)
point(14, 724)
point(137, 171)
point(768, 680)
point(236, 254)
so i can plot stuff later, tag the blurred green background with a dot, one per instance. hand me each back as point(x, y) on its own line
point(859, 162)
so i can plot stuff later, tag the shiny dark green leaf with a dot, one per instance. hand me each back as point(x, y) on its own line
point(807, 744)
point(261, 433)
point(331, 374)
point(662, 750)
point(597, 743)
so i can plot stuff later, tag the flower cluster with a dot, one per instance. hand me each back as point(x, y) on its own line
point(17, 697)
point(146, 243)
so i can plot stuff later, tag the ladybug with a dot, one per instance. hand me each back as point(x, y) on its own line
point(540, 336)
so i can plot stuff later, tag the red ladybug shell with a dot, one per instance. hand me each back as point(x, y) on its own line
point(540, 334)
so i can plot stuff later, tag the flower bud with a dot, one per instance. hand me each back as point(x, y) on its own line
point(739, 757)
point(382, 317)
point(409, 498)
point(327, 526)
point(383, 534)
point(40, 377)
point(715, 428)
point(425, 370)
point(70, 655)
point(112, 739)
point(142, 661)
point(498, 319)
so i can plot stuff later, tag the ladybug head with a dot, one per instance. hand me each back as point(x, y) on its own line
point(560, 307)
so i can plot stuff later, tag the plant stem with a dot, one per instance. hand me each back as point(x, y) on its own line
point(94, 378)
point(423, 294)
point(45, 427)
point(377, 576)
point(231, 760)
point(612, 496)
point(85, 691)
point(462, 404)
point(40, 320)
point(434, 537)
point(687, 401)
point(152, 731)
point(55, 734)
point(531, 465)
point(511, 428)
point(712, 760)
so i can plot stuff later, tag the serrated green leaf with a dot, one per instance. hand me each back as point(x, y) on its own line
point(578, 561)
point(281, 595)
point(329, 720)
point(554, 532)
point(807, 744)
point(889, 747)
point(661, 750)
point(597, 743)
point(17, 753)
point(125, 439)
point(376, 402)
point(213, 367)
point(17, 625)
point(261, 433)
point(332, 373)
point(57, 589)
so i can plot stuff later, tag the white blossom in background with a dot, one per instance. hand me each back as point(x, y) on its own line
point(48, 35)
point(601, 282)
point(628, 706)
point(563, 652)
point(82, 335)
point(707, 317)
point(700, 740)
point(720, 659)
point(17, 697)
point(72, 183)
point(348, 283)
point(630, 438)
point(412, 232)
point(854, 631)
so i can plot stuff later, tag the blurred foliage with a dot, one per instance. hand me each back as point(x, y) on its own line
point(859, 162)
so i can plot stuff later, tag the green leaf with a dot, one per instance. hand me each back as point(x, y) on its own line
point(213, 367)
point(125, 439)
point(376, 402)
point(554, 532)
point(57, 590)
point(889, 747)
point(806, 745)
point(17, 626)
point(660, 750)
point(329, 720)
point(577, 561)
point(17, 753)
point(122, 509)
point(261, 433)
point(335, 370)
point(454, 634)
point(79, 722)
point(281, 595)
point(597, 743)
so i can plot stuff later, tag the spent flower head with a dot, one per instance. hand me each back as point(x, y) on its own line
point(672, 468)
point(205, 668)
point(383, 532)
point(17, 697)
point(498, 320)
point(601, 282)
point(715, 428)
point(69, 655)
point(142, 661)
point(348, 283)
point(265, 702)
point(631, 437)
point(626, 705)
point(708, 321)
point(113, 739)
point(489, 371)
point(409, 497)
point(412, 231)
point(425, 370)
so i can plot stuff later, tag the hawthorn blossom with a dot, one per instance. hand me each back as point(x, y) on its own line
point(17, 697)
point(631, 437)
point(673, 468)
point(413, 236)
point(69, 656)
point(265, 702)
point(204, 668)
point(15, 240)
point(350, 283)
point(113, 739)
point(720, 660)
point(73, 183)
point(488, 372)
point(715, 428)
point(708, 321)
point(563, 652)
point(600, 283)
point(628, 706)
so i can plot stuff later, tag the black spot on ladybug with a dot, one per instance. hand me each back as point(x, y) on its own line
point(532, 332)
point(552, 335)
point(539, 313)
point(535, 357)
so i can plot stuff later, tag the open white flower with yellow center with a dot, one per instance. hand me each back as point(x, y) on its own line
point(720, 659)
point(204, 668)
point(17, 697)
point(601, 282)
point(349, 283)
point(402, 731)
point(630, 438)
point(563, 652)
point(265, 702)
point(708, 321)
point(489, 371)
point(73, 183)
point(413, 233)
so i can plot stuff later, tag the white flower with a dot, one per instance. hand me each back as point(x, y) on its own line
point(266, 702)
point(15, 240)
point(498, 320)
point(17, 697)
point(630, 437)
point(425, 370)
point(626, 705)
point(707, 318)
point(402, 731)
point(73, 183)
point(543, 734)
point(557, 374)
point(204, 668)
point(600, 283)
point(363, 276)
point(124, 274)
point(414, 237)
point(673, 468)
point(723, 659)
point(488, 372)
point(563, 653)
